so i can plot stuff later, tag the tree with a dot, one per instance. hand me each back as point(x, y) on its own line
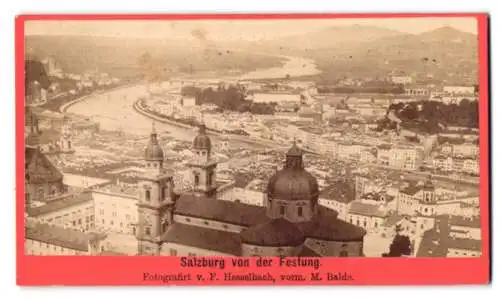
point(189, 90)
point(35, 71)
point(401, 245)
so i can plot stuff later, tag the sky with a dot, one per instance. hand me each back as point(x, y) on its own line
point(234, 29)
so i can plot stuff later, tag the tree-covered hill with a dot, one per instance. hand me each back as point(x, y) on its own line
point(431, 116)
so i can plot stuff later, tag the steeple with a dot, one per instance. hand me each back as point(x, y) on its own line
point(153, 128)
point(65, 140)
point(156, 199)
point(31, 128)
point(428, 190)
point(153, 135)
point(202, 144)
point(294, 157)
point(202, 165)
point(153, 154)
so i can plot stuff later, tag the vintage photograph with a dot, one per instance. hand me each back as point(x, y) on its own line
point(333, 137)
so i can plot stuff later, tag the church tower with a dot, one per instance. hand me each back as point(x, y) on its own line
point(65, 140)
point(155, 202)
point(31, 128)
point(428, 201)
point(429, 191)
point(203, 166)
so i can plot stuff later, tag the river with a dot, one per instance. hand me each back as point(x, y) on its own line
point(113, 110)
point(293, 67)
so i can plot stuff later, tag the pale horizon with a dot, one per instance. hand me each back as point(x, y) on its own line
point(219, 30)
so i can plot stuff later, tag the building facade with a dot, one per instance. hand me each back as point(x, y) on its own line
point(291, 222)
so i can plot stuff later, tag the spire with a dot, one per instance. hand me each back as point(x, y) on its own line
point(153, 150)
point(153, 128)
point(294, 157)
point(202, 129)
point(32, 130)
point(202, 141)
point(294, 149)
point(154, 135)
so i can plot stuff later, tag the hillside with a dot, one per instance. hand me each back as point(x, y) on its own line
point(446, 54)
point(121, 56)
point(331, 37)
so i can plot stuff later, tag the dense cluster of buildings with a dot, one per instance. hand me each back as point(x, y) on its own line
point(125, 217)
point(302, 209)
point(338, 126)
point(415, 208)
point(150, 218)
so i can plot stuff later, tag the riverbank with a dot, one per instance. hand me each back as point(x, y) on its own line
point(119, 110)
point(139, 108)
point(64, 107)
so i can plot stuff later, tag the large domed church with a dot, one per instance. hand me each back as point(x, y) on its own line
point(292, 223)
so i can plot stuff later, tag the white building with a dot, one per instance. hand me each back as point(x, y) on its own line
point(74, 210)
point(465, 149)
point(424, 199)
point(369, 216)
point(405, 157)
point(416, 91)
point(338, 197)
point(459, 89)
point(401, 80)
point(115, 209)
point(469, 165)
point(46, 239)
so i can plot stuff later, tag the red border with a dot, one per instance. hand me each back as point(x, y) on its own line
point(96, 270)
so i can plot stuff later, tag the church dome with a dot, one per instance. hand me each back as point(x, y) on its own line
point(293, 182)
point(274, 233)
point(153, 151)
point(202, 141)
point(290, 184)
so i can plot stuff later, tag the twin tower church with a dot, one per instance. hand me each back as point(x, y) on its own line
point(291, 223)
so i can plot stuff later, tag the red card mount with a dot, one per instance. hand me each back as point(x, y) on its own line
point(249, 269)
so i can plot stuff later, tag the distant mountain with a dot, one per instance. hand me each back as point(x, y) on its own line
point(343, 51)
point(331, 37)
point(447, 33)
point(121, 56)
point(443, 35)
point(442, 53)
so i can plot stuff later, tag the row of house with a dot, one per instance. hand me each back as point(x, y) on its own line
point(465, 149)
point(412, 209)
point(467, 165)
point(401, 155)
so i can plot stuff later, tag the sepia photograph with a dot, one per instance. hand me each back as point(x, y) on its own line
point(303, 138)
